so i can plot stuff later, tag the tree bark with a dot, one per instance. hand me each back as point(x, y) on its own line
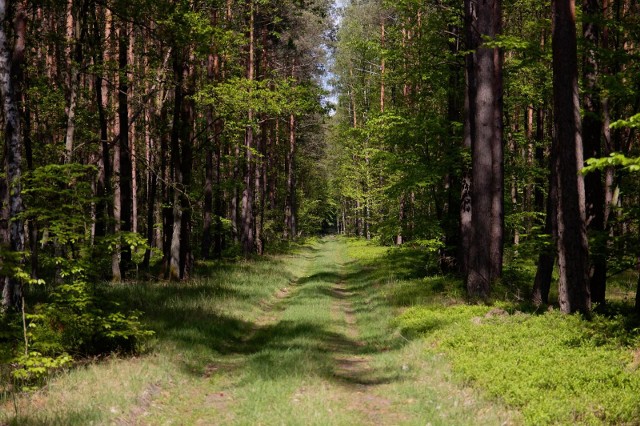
point(12, 200)
point(186, 162)
point(259, 193)
point(471, 41)
point(290, 200)
point(152, 173)
point(592, 134)
point(126, 193)
point(166, 189)
point(207, 220)
point(574, 293)
point(174, 272)
point(103, 187)
point(485, 260)
point(218, 195)
point(247, 214)
point(547, 256)
point(497, 153)
point(382, 63)
point(133, 159)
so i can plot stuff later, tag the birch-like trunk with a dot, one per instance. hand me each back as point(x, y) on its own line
point(12, 200)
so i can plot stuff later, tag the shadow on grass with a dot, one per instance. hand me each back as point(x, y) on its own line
point(182, 315)
point(78, 417)
point(212, 340)
point(324, 276)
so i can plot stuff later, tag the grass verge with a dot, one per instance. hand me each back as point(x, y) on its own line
point(201, 327)
point(554, 368)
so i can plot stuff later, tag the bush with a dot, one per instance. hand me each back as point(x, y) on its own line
point(555, 368)
point(74, 321)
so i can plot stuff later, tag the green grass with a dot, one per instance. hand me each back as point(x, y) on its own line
point(198, 324)
point(344, 332)
point(301, 338)
point(554, 368)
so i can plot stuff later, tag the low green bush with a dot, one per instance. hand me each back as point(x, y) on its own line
point(555, 368)
point(73, 322)
point(66, 315)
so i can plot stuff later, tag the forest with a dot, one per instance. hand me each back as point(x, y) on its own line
point(426, 167)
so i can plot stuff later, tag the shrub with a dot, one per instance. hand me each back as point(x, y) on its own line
point(555, 368)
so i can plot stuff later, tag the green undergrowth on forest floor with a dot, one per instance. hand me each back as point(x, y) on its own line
point(200, 328)
point(554, 368)
point(304, 337)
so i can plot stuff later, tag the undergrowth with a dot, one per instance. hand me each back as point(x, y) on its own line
point(554, 368)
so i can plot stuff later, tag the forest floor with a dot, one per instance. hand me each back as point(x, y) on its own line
point(299, 339)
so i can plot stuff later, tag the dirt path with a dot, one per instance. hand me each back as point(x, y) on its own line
point(355, 371)
point(326, 342)
point(366, 375)
point(316, 347)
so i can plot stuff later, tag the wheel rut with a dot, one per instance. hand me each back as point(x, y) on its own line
point(352, 367)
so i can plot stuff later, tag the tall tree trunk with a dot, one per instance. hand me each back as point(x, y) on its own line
point(116, 271)
point(235, 196)
point(290, 200)
point(166, 190)
point(126, 193)
point(213, 203)
point(538, 193)
point(218, 196)
point(132, 138)
point(609, 174)
point(152, 173)
point(529, 157)
point(72, 81)
point(514, 125)
point(259, 192)
point(207, 207)
point(176, 165)
point(12, 200)
point(592, 126)
point(103, 187)
point(471, 41)
point(207, 220)
point(497, 153)
point(487, 170)
point(116, 260)
point(247, 214)
point(74, 74)
point(188, 138)
point(547, 256)
point(260, 167)
point(272, 170)
point(152, 188)
point(573, 262)
point(21, 89)
point(456, 93)
point(382, 63)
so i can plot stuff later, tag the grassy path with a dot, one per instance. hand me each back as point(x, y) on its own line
point(302, 339)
